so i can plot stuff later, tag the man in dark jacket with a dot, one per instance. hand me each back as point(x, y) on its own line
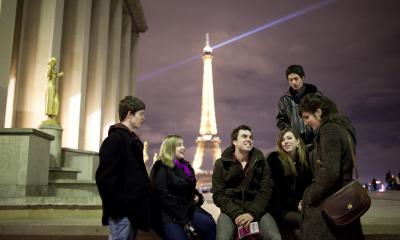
point(121, 177)
point(241, 187)
point(288, 106)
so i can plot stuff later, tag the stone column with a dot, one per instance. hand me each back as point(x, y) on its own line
point(40, 39)
point(74, 63)
point(97, 69)
point(125, 56)
point(55, 145)
point(133, 72)
point(7, 23)
point(112, 97)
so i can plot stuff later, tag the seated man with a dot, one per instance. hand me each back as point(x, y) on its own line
point(241, 187)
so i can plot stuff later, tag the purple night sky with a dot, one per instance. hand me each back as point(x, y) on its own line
point(349, 49)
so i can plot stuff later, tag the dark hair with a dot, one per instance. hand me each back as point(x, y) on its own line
point(129, 103)
point(298, 69)
point(311, 102)
point(235, 132)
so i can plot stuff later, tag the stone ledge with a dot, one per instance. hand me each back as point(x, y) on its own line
point(71, 227)
point(86, 152)
point(64, 169)
point(25, 131)
point(72, 181)
point(49, 202)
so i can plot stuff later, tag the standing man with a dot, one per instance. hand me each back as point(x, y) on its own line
point(288, 107)
point(121, 177)
point(241, 187)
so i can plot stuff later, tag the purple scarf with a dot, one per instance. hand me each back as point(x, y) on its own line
point(185, 168)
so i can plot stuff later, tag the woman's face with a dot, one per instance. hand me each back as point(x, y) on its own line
point(289, 142)
point(312, 120)
point(180, 150)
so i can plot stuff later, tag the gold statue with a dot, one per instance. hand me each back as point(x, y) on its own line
point(52, 102)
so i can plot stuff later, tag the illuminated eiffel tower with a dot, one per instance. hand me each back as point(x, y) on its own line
point(208, 139)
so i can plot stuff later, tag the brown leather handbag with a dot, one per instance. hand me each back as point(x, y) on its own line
point(347, 204)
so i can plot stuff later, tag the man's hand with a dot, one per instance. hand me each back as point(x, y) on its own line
point(244, 219)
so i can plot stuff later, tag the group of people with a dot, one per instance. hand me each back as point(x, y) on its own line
point(282, 191)
point(392, 182)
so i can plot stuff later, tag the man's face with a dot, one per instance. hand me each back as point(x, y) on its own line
point(244, 141)
point(136, 120)
point(295, 81)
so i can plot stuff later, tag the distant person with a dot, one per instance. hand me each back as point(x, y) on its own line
point(288, 106)
point(398, 181)
point(374, 186)
point(177, 211)
point(242, 187)
point(291, 175)
point(390, 182)
point(121, 177)
point(333, 161)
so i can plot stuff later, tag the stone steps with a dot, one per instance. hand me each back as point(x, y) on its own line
point(63, 173)
point(72, 188)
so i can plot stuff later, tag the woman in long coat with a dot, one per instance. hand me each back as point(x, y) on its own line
point(333, 159)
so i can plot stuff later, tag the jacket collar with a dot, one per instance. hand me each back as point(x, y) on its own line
point(255, 155)
point(308, 88)
point(340, 120)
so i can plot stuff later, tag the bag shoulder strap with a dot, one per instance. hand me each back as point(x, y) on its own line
point(353, 156)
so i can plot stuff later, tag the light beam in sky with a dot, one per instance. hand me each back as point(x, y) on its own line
point(268, 25)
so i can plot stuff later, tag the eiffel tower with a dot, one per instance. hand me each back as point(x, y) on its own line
point(207, 139)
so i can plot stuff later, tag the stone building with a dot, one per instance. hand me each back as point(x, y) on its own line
point(94, 42)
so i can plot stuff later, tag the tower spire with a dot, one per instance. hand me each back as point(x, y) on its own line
point(207, 49)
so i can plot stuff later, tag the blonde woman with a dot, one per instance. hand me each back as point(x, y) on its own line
point(176, 200)
point(291, 174)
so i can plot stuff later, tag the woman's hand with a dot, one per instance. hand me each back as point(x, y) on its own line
point(196, 199)
point(300, 206)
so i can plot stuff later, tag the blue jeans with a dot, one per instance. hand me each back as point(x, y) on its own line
point(121, 229)
point(226, 227)
point(203, 223)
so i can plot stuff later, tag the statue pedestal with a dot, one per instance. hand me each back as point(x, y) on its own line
point(24, 162)
point(53, 128)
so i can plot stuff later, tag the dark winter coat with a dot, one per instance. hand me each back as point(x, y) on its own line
point(288, 112)
point(174, 193)
point(235, 192)
point(122, 178)
point(287, 190)
point(333, 166)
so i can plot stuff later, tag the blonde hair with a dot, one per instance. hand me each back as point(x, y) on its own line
point(167, 150)
point(288, 165)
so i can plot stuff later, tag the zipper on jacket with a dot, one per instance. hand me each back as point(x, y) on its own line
point(246, 187)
